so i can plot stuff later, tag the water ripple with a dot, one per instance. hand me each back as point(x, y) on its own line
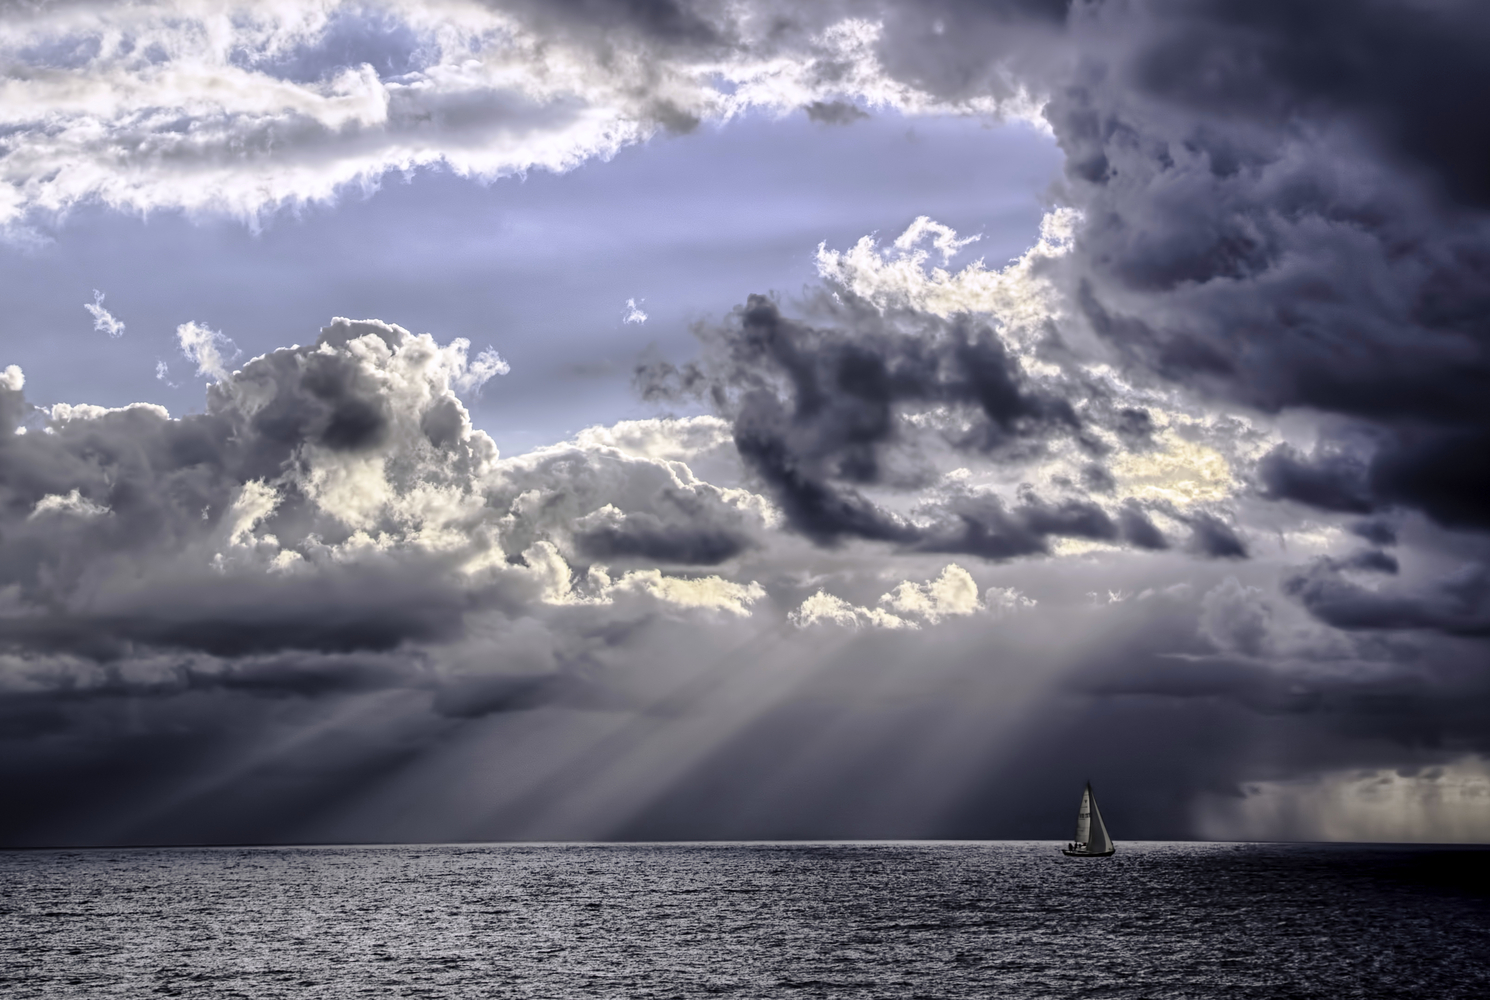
point(751, 920)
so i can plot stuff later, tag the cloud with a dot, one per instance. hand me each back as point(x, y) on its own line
point(634, 313)
point(1019, 295)
point(1332, 481)
point(206, 106)
point(1237, 619)
point(672, 439)
point(1248, 216)
point(909, 605)
point(1458, 604)
point(73, 503)
point(204, 348)
point(834, 112)
point(859, 403)
point(822, 607)
point(953, 593)
point(710, 592)
point(1211, 536)
point(487, 365)
point(1002, 601)
point(689, 530)
point(1195, 218)
point(332, 501)
point(103, 320)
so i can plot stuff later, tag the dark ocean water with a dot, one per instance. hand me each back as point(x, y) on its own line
point(746, 920)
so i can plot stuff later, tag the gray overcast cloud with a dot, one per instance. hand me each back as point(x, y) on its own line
point(870, 421)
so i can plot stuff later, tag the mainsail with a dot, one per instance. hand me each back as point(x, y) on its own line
point(1084, 818)
point(1091, 833)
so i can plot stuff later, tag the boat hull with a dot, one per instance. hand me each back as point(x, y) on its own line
point(1085, 854)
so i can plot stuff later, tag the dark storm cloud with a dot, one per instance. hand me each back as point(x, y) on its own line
point(1457, 605)
point(1332, 482)
point(817, 414)
point(1271, 703)
point(1216, 715)
point(1390, 64)
point(1282, 209)
point(1211, 536)
point(834, 112)
point(1139, 530)
point(331, 535)
point(1285, 206)
point(982, 525)
point(1376, 532)
point(1443, 473)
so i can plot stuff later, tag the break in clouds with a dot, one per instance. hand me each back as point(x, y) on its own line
point(1198, 480)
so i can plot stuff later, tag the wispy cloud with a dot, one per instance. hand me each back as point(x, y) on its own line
point(103, 320)
point(477, 373)
point(206, 349)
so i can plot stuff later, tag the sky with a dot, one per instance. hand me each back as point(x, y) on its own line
point(470, 420)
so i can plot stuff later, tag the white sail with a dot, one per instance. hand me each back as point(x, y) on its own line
point(1100, 842)
point(1084, 817)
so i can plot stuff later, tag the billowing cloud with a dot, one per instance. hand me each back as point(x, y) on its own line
point(822, 607)
point(332, 501)
point(1226, 245)
point(894, 401)
point(217, 105)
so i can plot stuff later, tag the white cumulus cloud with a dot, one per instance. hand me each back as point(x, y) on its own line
point(952, 594)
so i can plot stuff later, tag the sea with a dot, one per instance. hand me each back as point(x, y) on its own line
point(893, 920)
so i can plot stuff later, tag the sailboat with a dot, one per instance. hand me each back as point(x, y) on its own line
point(1091, 840)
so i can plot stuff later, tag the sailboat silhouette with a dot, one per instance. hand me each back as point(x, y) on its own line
point(1091, 839)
